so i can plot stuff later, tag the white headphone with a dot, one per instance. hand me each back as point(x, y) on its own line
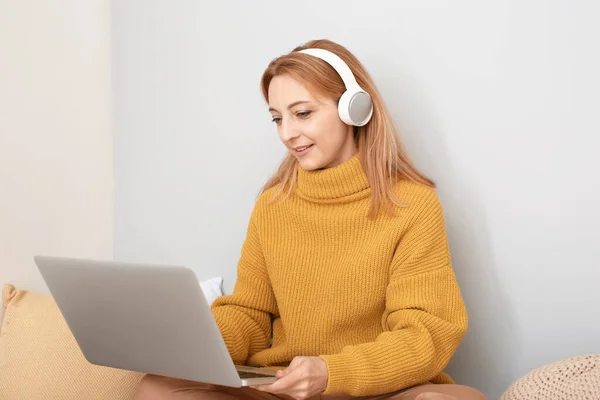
point(355, 106)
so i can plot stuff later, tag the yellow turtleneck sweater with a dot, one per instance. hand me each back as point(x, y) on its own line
point(376, 299)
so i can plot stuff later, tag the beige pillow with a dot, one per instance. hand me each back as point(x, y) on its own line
point(574, 378)
point(1, 315)
point(40, 360)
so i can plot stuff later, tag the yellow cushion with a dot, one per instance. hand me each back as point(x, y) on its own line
point(40, 359)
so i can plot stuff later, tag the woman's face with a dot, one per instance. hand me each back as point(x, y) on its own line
point(309, 125)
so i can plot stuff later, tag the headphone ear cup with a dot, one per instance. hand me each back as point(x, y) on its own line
point(355, 107)
point(344, 108)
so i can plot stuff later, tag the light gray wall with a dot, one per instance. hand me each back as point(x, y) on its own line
point(497, 101)
point(56, 141)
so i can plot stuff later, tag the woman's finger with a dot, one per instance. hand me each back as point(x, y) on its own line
point(283, 384)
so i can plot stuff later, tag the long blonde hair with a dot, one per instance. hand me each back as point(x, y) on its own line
point(383, 157)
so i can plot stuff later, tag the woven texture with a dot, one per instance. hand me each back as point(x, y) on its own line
point(40, 359)
point(376, 299)
point(575, 378)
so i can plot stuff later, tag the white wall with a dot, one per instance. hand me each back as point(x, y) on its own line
point(56, 170)
point(497, 101)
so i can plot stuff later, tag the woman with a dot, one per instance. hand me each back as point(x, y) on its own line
point(344, 282)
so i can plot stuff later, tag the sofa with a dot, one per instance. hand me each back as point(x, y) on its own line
point(40, 360)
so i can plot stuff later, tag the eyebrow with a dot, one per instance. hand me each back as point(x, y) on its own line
point(292, 105)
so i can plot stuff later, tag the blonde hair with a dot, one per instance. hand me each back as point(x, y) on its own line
point(383, 157)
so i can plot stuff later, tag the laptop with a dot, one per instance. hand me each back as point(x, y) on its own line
point(146, 318)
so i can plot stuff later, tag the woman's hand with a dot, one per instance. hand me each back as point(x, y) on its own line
point(304, 378)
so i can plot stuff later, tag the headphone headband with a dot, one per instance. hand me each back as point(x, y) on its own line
point(355, 106)
point(336, 62)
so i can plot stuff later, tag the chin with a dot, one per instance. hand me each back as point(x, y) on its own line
point(309, 164)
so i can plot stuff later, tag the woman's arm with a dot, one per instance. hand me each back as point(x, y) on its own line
point(244, 317)
point(425, 317)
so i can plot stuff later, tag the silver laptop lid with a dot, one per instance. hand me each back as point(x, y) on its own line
point(146, 318)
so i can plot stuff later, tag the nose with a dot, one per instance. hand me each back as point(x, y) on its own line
point(288, 130)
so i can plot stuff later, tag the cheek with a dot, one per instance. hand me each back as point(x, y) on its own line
point(328, 133)
point(336, 134)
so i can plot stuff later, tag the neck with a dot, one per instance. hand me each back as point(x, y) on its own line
point(347, 179)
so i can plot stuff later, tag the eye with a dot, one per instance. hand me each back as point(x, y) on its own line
point(277, 120)
point(303, 114)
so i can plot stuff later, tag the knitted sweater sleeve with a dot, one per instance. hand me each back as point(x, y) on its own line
point(425, 317)
point(244, 317)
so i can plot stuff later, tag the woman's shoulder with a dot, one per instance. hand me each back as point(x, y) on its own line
point(269, 196)
point(416, 197)
point(268, 199)
point(407, 190)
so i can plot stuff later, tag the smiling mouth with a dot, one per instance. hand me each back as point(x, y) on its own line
point(301, 149)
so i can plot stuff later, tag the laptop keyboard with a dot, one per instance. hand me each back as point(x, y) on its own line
point(248, 375)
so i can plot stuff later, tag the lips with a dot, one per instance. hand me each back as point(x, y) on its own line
point(302, 148)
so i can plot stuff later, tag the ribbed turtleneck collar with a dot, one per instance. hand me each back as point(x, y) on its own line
point(346, 179)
